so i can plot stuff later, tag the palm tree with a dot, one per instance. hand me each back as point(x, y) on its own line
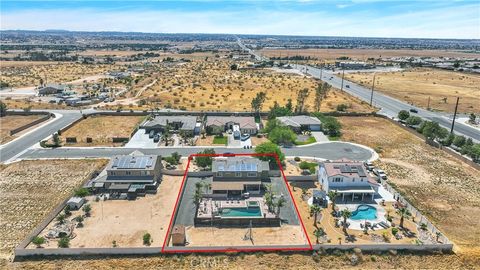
point(333, 194)
point(319, 232)
point(269, 197)
point(280, 203)
point(197, 196)
point(315, 209)
point(403, 212)
point(345, 214)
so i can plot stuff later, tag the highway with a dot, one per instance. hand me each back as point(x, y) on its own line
point(389, 106)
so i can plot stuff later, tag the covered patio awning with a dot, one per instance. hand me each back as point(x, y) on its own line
point(355, 190)
point(232, 185)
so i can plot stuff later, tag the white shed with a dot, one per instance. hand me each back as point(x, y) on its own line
point(75, 203)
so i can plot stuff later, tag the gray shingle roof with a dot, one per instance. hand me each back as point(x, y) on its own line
point(188, 122)
point(242, 121)
point(298, 120)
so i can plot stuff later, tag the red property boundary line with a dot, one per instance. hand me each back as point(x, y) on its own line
point(232, 249)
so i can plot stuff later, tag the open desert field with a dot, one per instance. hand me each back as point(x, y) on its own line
point(212, 86)
point(31, 189)
point(33, 103)
point(11, 122)
point(258, 260)
point(443, 188)
point(417, 85)
point(364, 54)
point(30, 75)
point(101, 129)
point(118, 220)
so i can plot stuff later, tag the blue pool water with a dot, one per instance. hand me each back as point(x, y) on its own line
point(364, 212)
point(242, 212)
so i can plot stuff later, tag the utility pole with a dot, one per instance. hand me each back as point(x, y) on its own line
point(373, 87)
point(428, 104)
point(454, 115)
point(343, 75)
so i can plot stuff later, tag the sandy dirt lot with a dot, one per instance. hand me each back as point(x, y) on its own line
point(10, 122)
point(211, 85)
point(126, 221)
point(30, 75)
point(364, 54)
point(284, 235)
point(101, 129)
point(417, 85)
point(443, 188)
point(31, 189)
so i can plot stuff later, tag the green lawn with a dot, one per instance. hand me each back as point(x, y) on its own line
point(333, 138)
point(311, 166)
point(309, 141)
point(220, 140)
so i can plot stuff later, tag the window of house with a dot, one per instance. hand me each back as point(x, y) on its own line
point(252, 174)
point(128, 173)
point(219, 174)
point(238, 174)
point(337, 179)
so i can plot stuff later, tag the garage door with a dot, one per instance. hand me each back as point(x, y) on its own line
point(315, 127)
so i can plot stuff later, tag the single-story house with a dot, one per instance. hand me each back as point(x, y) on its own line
point(219, 124)
point(134, 174)
point(186, 123)
point(233, 176)
point(348, 178)
point(301, 122)
point(51, 89)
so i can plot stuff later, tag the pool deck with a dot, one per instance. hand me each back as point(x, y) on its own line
point(355, 224)
point(210, 205)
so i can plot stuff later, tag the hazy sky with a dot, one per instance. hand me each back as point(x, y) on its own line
point(365, 18)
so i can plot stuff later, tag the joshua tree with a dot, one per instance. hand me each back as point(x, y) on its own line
point(345, 214)
point(438, 234)
point(280, 203)
point(64, 242)
point(79, 220)
point(315, 209)
point(61, 218)
point(39, 241)
point(87, 208)
point(319, 232)
point(333, 194)
point(403, 212)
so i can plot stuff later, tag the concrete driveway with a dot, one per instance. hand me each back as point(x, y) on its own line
point(319, 136)
point(141, 140)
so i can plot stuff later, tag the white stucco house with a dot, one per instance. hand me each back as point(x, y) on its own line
point(348, 178)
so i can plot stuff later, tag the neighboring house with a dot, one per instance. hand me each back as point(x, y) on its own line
point(348, 178)
point(130, 174)
point(220, 124)
point(51, 89)
point(300, 123)
point(233, 176)
point(186, 123)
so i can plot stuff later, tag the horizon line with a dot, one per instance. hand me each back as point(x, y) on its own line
point(233, 34)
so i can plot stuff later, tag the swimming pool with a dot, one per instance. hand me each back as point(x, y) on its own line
point(241, 212)
point(364, 212)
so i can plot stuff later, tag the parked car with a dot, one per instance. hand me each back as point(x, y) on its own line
point(151, 134)
point(369, 165)
point(413, 110)
point(156, 138)
point(380, 173)
point(347, 86)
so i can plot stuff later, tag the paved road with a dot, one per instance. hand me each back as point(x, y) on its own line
point(389, 106)
point(332, 151)
point(14, 148)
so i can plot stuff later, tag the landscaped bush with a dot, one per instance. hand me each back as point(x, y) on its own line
point(297, 159)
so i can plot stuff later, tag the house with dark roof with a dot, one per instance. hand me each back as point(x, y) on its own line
point(133, 175)
point(220, 124)
point(349, 178)
point(233, 176)
point(51, 89)
point(188, 124)
point(301, 122)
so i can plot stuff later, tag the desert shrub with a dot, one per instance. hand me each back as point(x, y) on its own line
point(297, 159)
point(147, 239)
point(64, 242)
